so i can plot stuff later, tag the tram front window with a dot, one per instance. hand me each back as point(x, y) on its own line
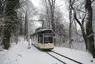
point(48, 40)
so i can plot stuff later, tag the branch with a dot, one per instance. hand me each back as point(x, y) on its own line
point(49, 3)
point(90, 35)
point(58, 6)
point(83, 19)
point(54, 4)
point(77, 18)
point(92, 1)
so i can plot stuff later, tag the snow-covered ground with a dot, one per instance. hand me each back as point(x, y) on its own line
point(19, 54)
point(83, 57)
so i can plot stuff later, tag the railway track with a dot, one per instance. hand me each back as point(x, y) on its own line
point(56, 58)
point(49, 53)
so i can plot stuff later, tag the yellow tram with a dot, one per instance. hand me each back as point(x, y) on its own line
point(43, 39)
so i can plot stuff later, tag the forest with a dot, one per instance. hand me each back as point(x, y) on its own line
point(73, 22)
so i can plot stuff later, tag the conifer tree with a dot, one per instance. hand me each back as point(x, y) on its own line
point(10, 21)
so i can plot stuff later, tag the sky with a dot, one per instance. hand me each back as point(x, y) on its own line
point(35, 2)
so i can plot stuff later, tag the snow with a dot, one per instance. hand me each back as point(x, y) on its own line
point(20, 54)
point(63, 59)
point(81, 56)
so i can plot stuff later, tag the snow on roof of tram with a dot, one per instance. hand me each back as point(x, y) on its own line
point(42, 30)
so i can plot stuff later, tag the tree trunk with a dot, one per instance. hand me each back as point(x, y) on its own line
point(70, 24)
point(93, 23)
point(90, 38)
point(6, 38)
point(84, 36)
point(27, 25)
point(52, 10)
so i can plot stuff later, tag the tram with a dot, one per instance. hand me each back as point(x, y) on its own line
point(43, 38)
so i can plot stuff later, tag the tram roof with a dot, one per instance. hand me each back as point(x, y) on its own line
point(43, 30)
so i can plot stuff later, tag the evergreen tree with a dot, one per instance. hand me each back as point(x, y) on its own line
point(10, 21)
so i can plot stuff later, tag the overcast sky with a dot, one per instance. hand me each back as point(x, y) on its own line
point(35, 2)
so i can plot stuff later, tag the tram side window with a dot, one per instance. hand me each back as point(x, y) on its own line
point(48, 40)
point(40, 38)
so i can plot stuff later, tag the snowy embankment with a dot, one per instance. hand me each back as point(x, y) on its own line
point(19, 54)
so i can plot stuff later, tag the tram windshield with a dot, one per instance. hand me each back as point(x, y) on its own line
point(48, 40)
point(45, 38)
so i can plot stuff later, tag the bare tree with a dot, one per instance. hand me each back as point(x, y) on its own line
point(53, 18)
point(70, 24)
point(89, 31)
point(84, 12)
point(49, 11)
point(29, 13)
point(93, 23)
point(52, 9)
